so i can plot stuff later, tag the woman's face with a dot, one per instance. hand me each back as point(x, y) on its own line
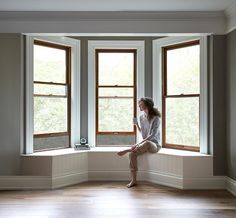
point(142, 106)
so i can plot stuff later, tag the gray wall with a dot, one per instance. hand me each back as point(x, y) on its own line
point(218, 102)
point(11, 102)
point(231, 104)
point(11, 85)
point(10, 109)
point(84, 73)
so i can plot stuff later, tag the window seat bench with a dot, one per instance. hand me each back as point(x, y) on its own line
point(175, 168)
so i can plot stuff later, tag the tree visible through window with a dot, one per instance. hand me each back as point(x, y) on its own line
point(51, 89)
point(116, 91)
point(181, 92)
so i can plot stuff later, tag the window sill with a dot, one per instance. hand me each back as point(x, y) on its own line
point(176, 152)
point(58, 152)
point(163, 151)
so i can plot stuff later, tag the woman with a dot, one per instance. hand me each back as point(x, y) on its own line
point(150, 130)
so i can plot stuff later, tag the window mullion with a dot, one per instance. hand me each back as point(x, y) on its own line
point(114, 86)
point(182, 96)
point(50, 83)
point(50, 96)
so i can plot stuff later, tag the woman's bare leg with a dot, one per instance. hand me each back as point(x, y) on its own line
point(133, 168)
point(142, 148)
point(133, 180)
point(121, 153)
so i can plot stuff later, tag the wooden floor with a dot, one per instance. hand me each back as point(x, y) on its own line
point(113, 199)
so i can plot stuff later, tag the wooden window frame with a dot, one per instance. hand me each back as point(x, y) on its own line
point(165, 96)
point(67, 85)
point(134, 86)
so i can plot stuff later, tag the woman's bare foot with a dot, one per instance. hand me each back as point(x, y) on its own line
point(121, 153)
point(131, 184)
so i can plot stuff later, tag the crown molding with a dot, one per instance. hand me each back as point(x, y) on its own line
point(113, 22)
point(104, 15)
point(230, 14)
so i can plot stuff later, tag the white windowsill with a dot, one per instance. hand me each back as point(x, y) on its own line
point(163, 151)
point(55, 152)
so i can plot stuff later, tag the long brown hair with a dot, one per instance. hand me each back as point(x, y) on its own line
point(152, 111)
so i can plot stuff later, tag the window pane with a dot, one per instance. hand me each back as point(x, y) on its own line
point(115, 68)
point(44, 89)
point(50, 115)
point(51, 142)
point(182, 121)
point(116, 92)
point(183, 73)
point(49, 64)
point(115, 115)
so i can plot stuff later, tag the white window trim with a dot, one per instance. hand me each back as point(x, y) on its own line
point(75, 87)
point(157, 80)
point(92, 46)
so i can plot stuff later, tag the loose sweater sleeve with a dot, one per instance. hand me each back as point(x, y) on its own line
point(154, 127)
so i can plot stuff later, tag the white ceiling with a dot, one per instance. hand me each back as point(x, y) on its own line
point(115, 5)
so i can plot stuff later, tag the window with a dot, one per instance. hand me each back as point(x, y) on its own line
point(51, 95)
point(181, 96)
point(115, 138)
point(115, 91)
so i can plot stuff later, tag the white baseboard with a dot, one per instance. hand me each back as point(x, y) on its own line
point(108, 175)
point(174, 181)
point(154, 177)
point(70, 179)
point(208, 183)
point(40, 182)
point(46, 182)
point(24, 182)
point(231, 185)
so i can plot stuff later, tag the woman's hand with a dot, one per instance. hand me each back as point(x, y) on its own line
point(138, 127)
point(133, 147)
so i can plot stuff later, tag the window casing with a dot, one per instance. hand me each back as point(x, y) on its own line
point(54, 91)
point(189, 98)
point(120, 92)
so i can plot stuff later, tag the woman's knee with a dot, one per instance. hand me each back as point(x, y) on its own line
point(153, 148)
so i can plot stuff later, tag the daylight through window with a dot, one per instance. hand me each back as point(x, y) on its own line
point(51, 90)
point(115, 91)
point(180, 96)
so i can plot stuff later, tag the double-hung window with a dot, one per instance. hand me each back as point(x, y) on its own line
point(51, 95)
point(181, 96)
point(115, 92)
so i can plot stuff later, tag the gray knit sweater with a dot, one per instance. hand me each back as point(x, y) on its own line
point(151, 128)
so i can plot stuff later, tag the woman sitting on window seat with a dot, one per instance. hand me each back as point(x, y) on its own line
point(150, 131)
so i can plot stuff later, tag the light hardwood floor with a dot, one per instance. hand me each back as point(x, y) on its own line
point(113, 199)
